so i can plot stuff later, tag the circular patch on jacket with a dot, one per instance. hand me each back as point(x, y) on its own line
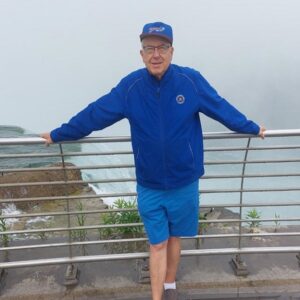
point(180, 99)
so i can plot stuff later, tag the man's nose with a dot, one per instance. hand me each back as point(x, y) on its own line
point(156, 53)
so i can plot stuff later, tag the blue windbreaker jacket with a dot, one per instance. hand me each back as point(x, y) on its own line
point(164, 120)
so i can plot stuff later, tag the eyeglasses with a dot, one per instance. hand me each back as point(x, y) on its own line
point(162, 49)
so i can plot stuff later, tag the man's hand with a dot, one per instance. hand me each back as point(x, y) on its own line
point(47, 137)
point(262, 132)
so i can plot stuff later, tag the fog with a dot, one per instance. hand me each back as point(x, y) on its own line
point(57, 55)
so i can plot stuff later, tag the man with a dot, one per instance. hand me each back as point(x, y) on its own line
point(162, 103)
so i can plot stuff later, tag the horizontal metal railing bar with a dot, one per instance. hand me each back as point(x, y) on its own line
point(116, 210)
point(103, 226)
point(134, 194)
point(66, 244)
point(74, 228)
point(39, 141)
point(37, 169)
point(65, 154)
point(30, 155)
point(250, 175)
point(275, 147)
point(255, 204)
point(65, 213)
point(206, 135)
point(129, 152)
point(121, 166)
point(70, 182)
point(58, 198)
point(114, 241)
point(103, 139)
point(250, 190)
point(141, 255)
point(249, 220)
point(268, 133)
point(129, 179)
point(257, 161)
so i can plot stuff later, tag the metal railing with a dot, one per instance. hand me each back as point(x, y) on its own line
point(246, 177)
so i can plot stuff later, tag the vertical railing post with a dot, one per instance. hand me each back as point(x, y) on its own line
point(239, 266)
point(71, 275)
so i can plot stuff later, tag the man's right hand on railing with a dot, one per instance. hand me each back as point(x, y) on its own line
point(47, 137)
point(262, 132)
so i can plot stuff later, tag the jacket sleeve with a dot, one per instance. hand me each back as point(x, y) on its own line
point(102, 113)
point(217, 108)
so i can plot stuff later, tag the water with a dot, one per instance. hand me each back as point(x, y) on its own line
point(9, 163)
point(106, 188)
point(257, 183)
point(14, 132)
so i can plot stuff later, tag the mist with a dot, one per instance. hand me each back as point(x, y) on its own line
point(58, 56)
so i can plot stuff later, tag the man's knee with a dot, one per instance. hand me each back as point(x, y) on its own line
point(158, 247)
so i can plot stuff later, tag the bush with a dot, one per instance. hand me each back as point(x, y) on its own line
point(123, 217)
point(253, 214)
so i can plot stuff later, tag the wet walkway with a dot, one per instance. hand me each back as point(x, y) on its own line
point(272, 276)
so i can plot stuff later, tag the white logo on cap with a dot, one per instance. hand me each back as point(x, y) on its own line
point(180, 99)
point(157, 29)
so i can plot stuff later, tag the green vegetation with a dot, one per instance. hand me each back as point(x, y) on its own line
point(3, 228)
point(42, 235)
point(79, 234)
point(253, 215)
point(202, 228)
point(122, 217)
point(128, 216)
point(277, 223)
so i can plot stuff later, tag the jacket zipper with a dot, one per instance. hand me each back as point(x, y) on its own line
point(162, 135)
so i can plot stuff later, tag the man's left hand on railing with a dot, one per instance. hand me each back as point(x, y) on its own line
point(262, 132)
point(47, 137)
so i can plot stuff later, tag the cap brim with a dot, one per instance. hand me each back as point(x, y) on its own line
point(143, 35)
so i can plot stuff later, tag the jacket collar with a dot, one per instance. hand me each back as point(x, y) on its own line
point(153, 81)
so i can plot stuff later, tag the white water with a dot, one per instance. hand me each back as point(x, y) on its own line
point(10, 209)
point(98, 174)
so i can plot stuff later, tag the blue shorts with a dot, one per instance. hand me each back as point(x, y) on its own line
point(169, 213)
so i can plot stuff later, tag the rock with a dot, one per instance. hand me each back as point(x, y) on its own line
point(41, 190)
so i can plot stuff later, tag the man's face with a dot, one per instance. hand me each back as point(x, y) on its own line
point(157, 55)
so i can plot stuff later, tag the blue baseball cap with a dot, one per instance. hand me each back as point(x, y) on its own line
point(158, 29)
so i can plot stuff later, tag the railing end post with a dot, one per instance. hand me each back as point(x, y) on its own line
point(239, 267)
point(143, 271)
point(2, 275)
point(71, 276)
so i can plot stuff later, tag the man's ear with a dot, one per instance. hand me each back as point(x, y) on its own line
point(172, 50)
point(142, 55)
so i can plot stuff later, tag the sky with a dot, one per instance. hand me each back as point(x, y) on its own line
point(57, 56)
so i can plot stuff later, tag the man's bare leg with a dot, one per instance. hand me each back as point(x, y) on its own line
point(173, 257)
point(158, 268)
